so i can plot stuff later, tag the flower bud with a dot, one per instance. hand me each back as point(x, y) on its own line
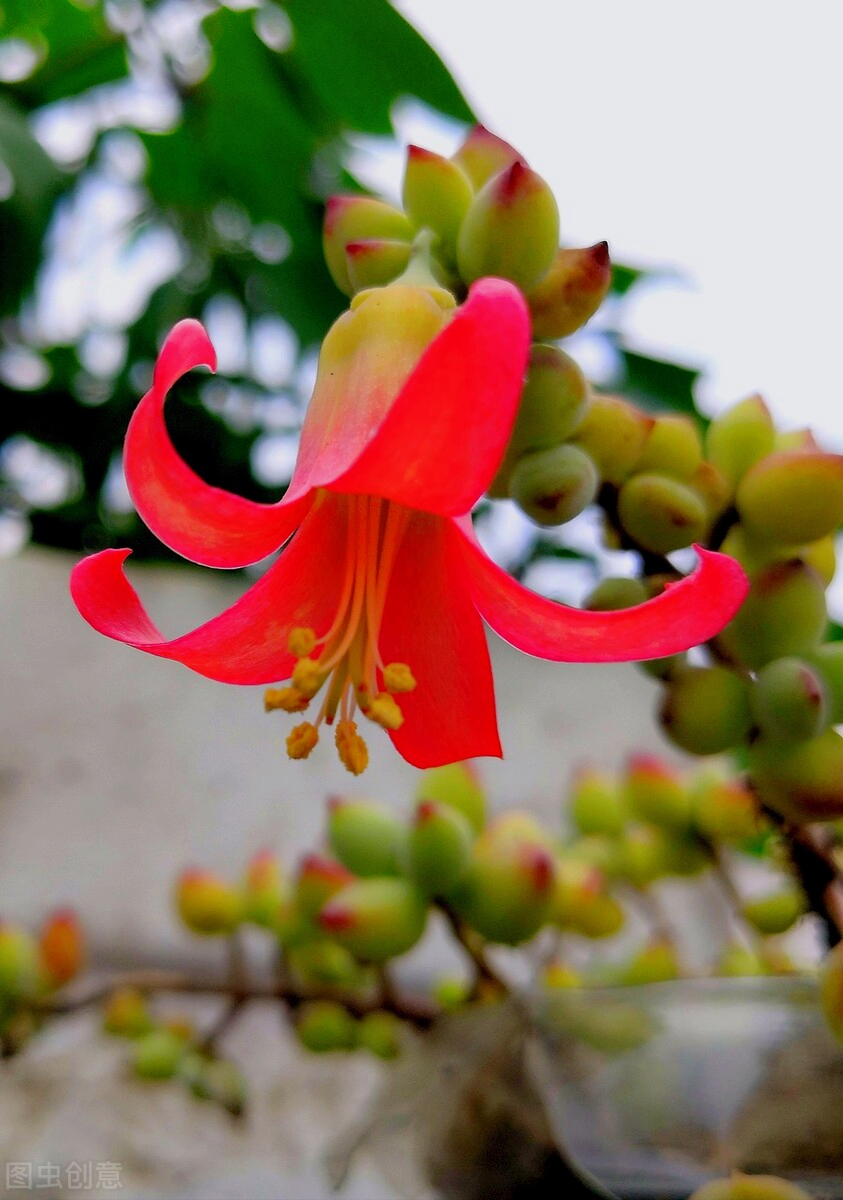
point(737, 960)
point(803, 780)
point(581, 903)
point(828, 662)
point(559, 975)
point(366, 837)
point(739, 437)
point(706, 710)
point(324, 1025)
point(597, 803)
point(157, 1054)
point(126, 1014)
point(792, 497)
point(554, 486)
point(19, 964)
point(640, 857)
point(784, 614)
point(656, 962)
point(356, 219)
point(661, 514)
point(319, 878)
point(657, 793)
point(483, 155)
point(571, 292)
point(725, 810)
point(613, 433)
point(511, 229)
point(797, 439)
point(263, 890)
point(750, 1187)
point(376, 919)
point(62, 947)
point(614, 593)
point(323, 962)
point(374, 262)
point(457, 785)
point(208, 904)
point(789, 700)
point(775, 913)
point(436, 195)
point(712, 487)
point(438, 847)
point(380, 1034)
point(673, 447)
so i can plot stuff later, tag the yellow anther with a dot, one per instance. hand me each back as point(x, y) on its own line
point(302, 739)
point(301, 641)
point(308, 677)
point(397, 677)
point(289, 699)
point(385, 712)
point(353, 752)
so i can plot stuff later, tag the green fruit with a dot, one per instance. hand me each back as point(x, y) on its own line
point(355, 219)
point(804, 780)
point(511, 229)
point(436, 195)
point(554, 486)
point(367, 838)
point(739, 437)
point(571, 292)
point(613, 433)
point(438, 847)
point(661, 514)
point(157, 1055)
point(451, 993)
point(682, 854)
point(597, 803)
point(380, 1034)
point(673, 448)
point(376, 919)
point(792, 497)
point(324, 1025)
point(457, 785)
point(706, 710)
point(783, 615)
point(775, 913)
point(750, 1187)
point(789, 700)
point(657, 793)
point(614, 593)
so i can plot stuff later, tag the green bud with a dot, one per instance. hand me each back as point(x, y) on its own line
point(376, 919)
point(613, 433)
point(595, 850)
point(355, 219)
point(580, 902)
point(208, 904)
point(367, 837)
point(673, 448)
point(657, 793)
point(783, 615)
point(792, 496)
point(218, 1080)
point(264, 891)
point(661, 514)
point(755, 555)
point(554, 486)
point(614, 593)
point(750, 1187)
point(789, 700)
point(803, 780)
point(775, 913)
point(380, 1034)
point(319, 878)
point(511, 229)
point(457, 785)
point(484, 154)
point(436, 195)
point(324, 1025)
point(374, 262)
point(451, 993)
point(597, 803)
point(706, 710)
point(739, 438)
point(19, 964)
point(656, 962)
point(438, 847)
point(324, 962)
point(682, 854)
point(725, 810)
point(713, 489)
point(126, 1014)
point(828, 661)
point(571, 292)
point(737, 960)
point(640, 856)
point(157, 1054)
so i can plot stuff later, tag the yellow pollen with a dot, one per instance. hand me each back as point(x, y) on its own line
point(385, 712)
point(353, 752)
point(289, 699)
point(308, 677)
point(397, 678)
point(301, 641)
point(302, 739)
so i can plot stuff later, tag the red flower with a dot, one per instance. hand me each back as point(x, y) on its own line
point(381, 586)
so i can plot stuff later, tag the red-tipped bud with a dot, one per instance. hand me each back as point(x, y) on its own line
point(792, 497)
point(437, 193)
point(571, 292)
point(375, 262)
point(264, 891)
point(457, 785)
point(725, 810)
point(803, 780)
point(438, 847)
point(657, 792)
point(484, 154)
point(355, 219)
point(126, 1014)
point(783, 615)
point(62, 947)
point(207, 903)
point(366, 837)
point(376, 919)
point(319, 878)
point(739, 438)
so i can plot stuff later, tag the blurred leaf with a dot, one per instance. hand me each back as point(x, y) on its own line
point(623, 278)
point(657, 384)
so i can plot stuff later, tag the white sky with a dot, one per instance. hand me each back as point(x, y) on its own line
point(702, 135)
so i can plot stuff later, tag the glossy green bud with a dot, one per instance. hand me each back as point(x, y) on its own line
point(511, 229)
point(355, 219)
point(775, 913)
point(713, 489)
point(673, 447)
point(157, 1054)
point(571, 292)
point(750, 1187)
point(656, 962)
point(792, 496)
point(789, 700)
point(597, 802)
point(374, 262)
point(616, 592)
point(640, 856)
point(126, 1014)
point(376, 919)
point(739, 438)
point(459, 786)
point(19, 964)
point(436, 195)
point(725, 810)
point(580, 902)
point(783, 615)
point(828, 661)
point(613, 433)
point(208, 904)
point(319, 878)
point(264, 890)
point(554, 486)
point(801, 780)
point(661, 514)
point(706, 710)
point(367, 837)
point(553, 403)
point(438, 847)
point(657, 793)
point(324, 1025)
point(484, 154)
point(595, 850)
point(831, 990)
point(380, 1034)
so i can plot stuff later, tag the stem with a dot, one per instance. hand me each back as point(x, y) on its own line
point(485, 973)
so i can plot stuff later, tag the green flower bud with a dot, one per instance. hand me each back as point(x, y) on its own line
point(264, 891)
point(380, 1034)
point(554, 486)
point(157, 1054)
point(436, 195)
point(706, 710)
point(792, 497)
point(208, 904)
point(737, 960)
point(553, 403)
point(580, 902)
point(673, 448)
point(682, 854)
point(19, 964)
point(451, 993)
point(661, 514)
point(126, 1014)
point(598, 804)
point(797, 439)
point(374, 262)
point(657, 793)
point(739, 438)
point(803, 780)
point(828, 661)
point(725, 810)
point(656, 962)
point(356, 219)
point(713, 489)
point(783, 615)
point(789, 700)
point(613, 593)
point(750, 1187)
point(559, 975)
point(613, 433)
point(367, 837)
point(571, 292)
point(319, 878)
point(595, 850)
point(457, 785)
point(324, 962)
point(484, 154)
point(376, 919)
point(640, 858)
point(775, 913)
point(511, 229)
point(438, 847)
point(324, 1025)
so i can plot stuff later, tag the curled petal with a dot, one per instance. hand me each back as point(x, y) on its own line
point(430, 623)
point(204, 524)
point(686, 614)
point(247, 643)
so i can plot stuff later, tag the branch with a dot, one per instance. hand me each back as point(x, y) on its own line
point(485, 974)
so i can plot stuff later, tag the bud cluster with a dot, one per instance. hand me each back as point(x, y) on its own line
point(32, 968)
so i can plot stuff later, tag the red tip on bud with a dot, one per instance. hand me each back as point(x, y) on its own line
point(538, 862)
point(335, 918)
point(425, 811)
point(332, 803)
point(62, 946)
point(651, 764)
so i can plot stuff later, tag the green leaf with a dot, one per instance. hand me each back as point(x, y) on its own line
point(658, 384)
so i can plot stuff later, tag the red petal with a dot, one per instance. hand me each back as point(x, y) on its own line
point(248, 642)
point(686, 614)
point(442, 440)
point(430, 624)
point(202, 523)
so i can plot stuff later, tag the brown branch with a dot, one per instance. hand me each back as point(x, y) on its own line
point(486, 977)
point(816, 871)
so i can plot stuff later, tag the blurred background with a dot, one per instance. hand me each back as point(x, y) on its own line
point(167, 160)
